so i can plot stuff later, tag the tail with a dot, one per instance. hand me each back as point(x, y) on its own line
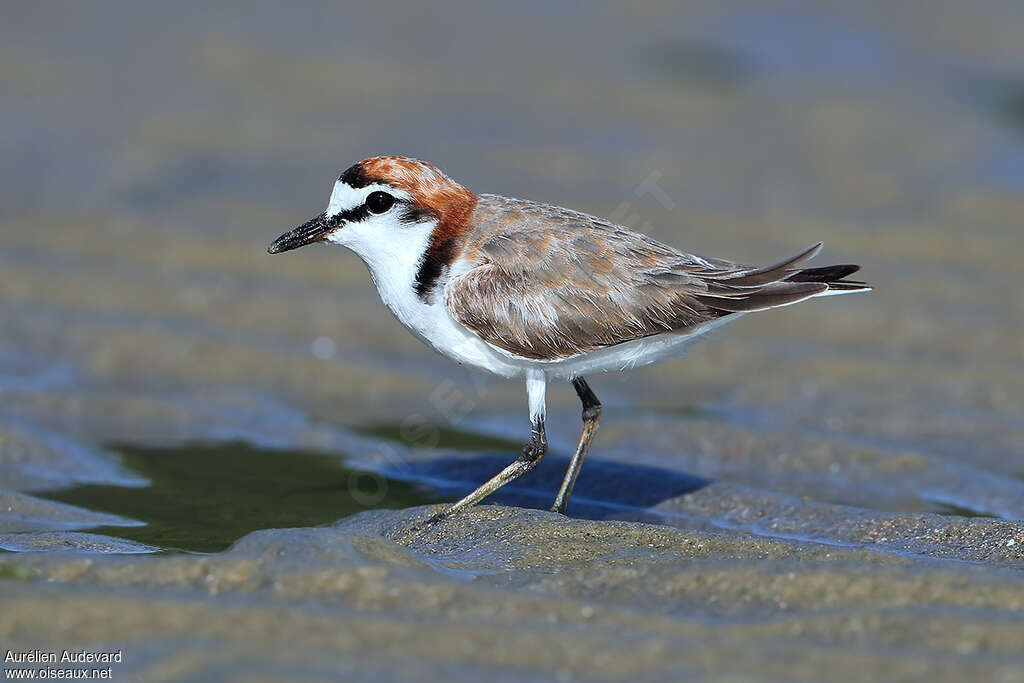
point(779, 285)
point(834, 277)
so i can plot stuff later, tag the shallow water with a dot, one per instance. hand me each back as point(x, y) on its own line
point(833, 487)
point(203, 498)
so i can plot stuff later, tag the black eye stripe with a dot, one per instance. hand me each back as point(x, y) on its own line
point(408, 213)
point(348, 216)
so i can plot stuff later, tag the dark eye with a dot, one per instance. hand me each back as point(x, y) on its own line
point(379, 202)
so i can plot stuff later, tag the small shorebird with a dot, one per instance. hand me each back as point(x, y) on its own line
point(530, 290)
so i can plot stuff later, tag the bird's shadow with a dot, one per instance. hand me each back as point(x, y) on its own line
point(604, 489)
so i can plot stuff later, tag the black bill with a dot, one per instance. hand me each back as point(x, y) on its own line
point(311, 231)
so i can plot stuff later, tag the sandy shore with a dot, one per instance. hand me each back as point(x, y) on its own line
point(828, 491)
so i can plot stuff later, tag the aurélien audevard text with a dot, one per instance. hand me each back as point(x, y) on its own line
point(62, 656)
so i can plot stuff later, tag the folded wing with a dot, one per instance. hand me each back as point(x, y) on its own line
point(572, 284)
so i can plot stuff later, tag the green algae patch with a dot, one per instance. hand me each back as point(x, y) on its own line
point(202, 498)
point(16, 571)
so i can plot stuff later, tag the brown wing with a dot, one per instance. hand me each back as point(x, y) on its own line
point(553, 283)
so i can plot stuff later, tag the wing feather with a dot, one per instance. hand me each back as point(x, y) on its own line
point(546, 283)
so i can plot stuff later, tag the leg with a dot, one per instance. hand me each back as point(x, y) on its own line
point(533, 452)
point(591, 416)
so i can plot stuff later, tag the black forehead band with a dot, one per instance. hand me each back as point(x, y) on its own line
point(355, 177)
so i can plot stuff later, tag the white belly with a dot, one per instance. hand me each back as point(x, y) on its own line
point(624, 356)
point(435, 326)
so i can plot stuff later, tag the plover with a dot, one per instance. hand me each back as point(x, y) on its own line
point(530, 290)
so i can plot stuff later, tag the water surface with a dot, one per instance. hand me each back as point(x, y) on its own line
point(204, 497)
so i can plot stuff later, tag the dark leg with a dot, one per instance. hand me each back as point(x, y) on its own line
point(533, 452)
point(591, 416)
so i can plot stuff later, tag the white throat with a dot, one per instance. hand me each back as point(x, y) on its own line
point(393, 252)
point(393, 259)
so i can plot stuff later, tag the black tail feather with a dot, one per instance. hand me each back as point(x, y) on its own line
point(726, 297)
point(830, 274)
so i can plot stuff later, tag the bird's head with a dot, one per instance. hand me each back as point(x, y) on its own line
point(383, 201)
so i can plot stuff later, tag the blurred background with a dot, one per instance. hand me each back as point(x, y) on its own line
point(150, 152)
point(837, 486)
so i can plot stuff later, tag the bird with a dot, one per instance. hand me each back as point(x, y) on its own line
point(528, 290)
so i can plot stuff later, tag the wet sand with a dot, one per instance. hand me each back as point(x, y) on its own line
point(831, 490)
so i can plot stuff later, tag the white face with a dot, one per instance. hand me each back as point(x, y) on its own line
point(389, 243)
